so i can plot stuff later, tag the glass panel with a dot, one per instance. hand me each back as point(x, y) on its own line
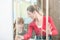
point(23, 18)
point(20, 11)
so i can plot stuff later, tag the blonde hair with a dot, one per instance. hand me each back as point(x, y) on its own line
point(20, 20)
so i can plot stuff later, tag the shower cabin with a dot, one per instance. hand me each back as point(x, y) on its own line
point(20, 6)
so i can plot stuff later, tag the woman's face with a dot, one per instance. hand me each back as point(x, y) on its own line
point(31, 15)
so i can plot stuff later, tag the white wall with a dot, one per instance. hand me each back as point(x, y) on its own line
point(6, 28)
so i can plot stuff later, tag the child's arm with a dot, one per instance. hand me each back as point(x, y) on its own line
point(14, 29)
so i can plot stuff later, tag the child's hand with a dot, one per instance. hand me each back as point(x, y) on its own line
point(21, 37)
point(16, 37)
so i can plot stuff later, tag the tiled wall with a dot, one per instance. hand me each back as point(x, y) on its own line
point(55, 13)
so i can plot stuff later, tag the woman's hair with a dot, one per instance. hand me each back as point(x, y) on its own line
point(33, 8)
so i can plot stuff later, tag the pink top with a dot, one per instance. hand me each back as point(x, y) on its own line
point(32, 26)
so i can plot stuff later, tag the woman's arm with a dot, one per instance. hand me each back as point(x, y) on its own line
point(29, 32)
point(53, 28)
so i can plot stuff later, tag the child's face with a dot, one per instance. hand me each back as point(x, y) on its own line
point(20, 25)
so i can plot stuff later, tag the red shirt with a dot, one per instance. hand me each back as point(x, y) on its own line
point(32, 26)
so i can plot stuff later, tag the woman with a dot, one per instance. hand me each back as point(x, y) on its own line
point(39, 25)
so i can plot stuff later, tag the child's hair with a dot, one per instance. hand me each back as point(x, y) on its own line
point(19, 21)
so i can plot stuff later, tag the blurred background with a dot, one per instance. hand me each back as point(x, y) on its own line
point(20, 7)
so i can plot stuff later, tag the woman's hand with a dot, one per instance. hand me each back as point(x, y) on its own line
point(49, 27)
point(43, 30)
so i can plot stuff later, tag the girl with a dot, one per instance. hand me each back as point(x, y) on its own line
point(20, 25)
point(39, 25)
